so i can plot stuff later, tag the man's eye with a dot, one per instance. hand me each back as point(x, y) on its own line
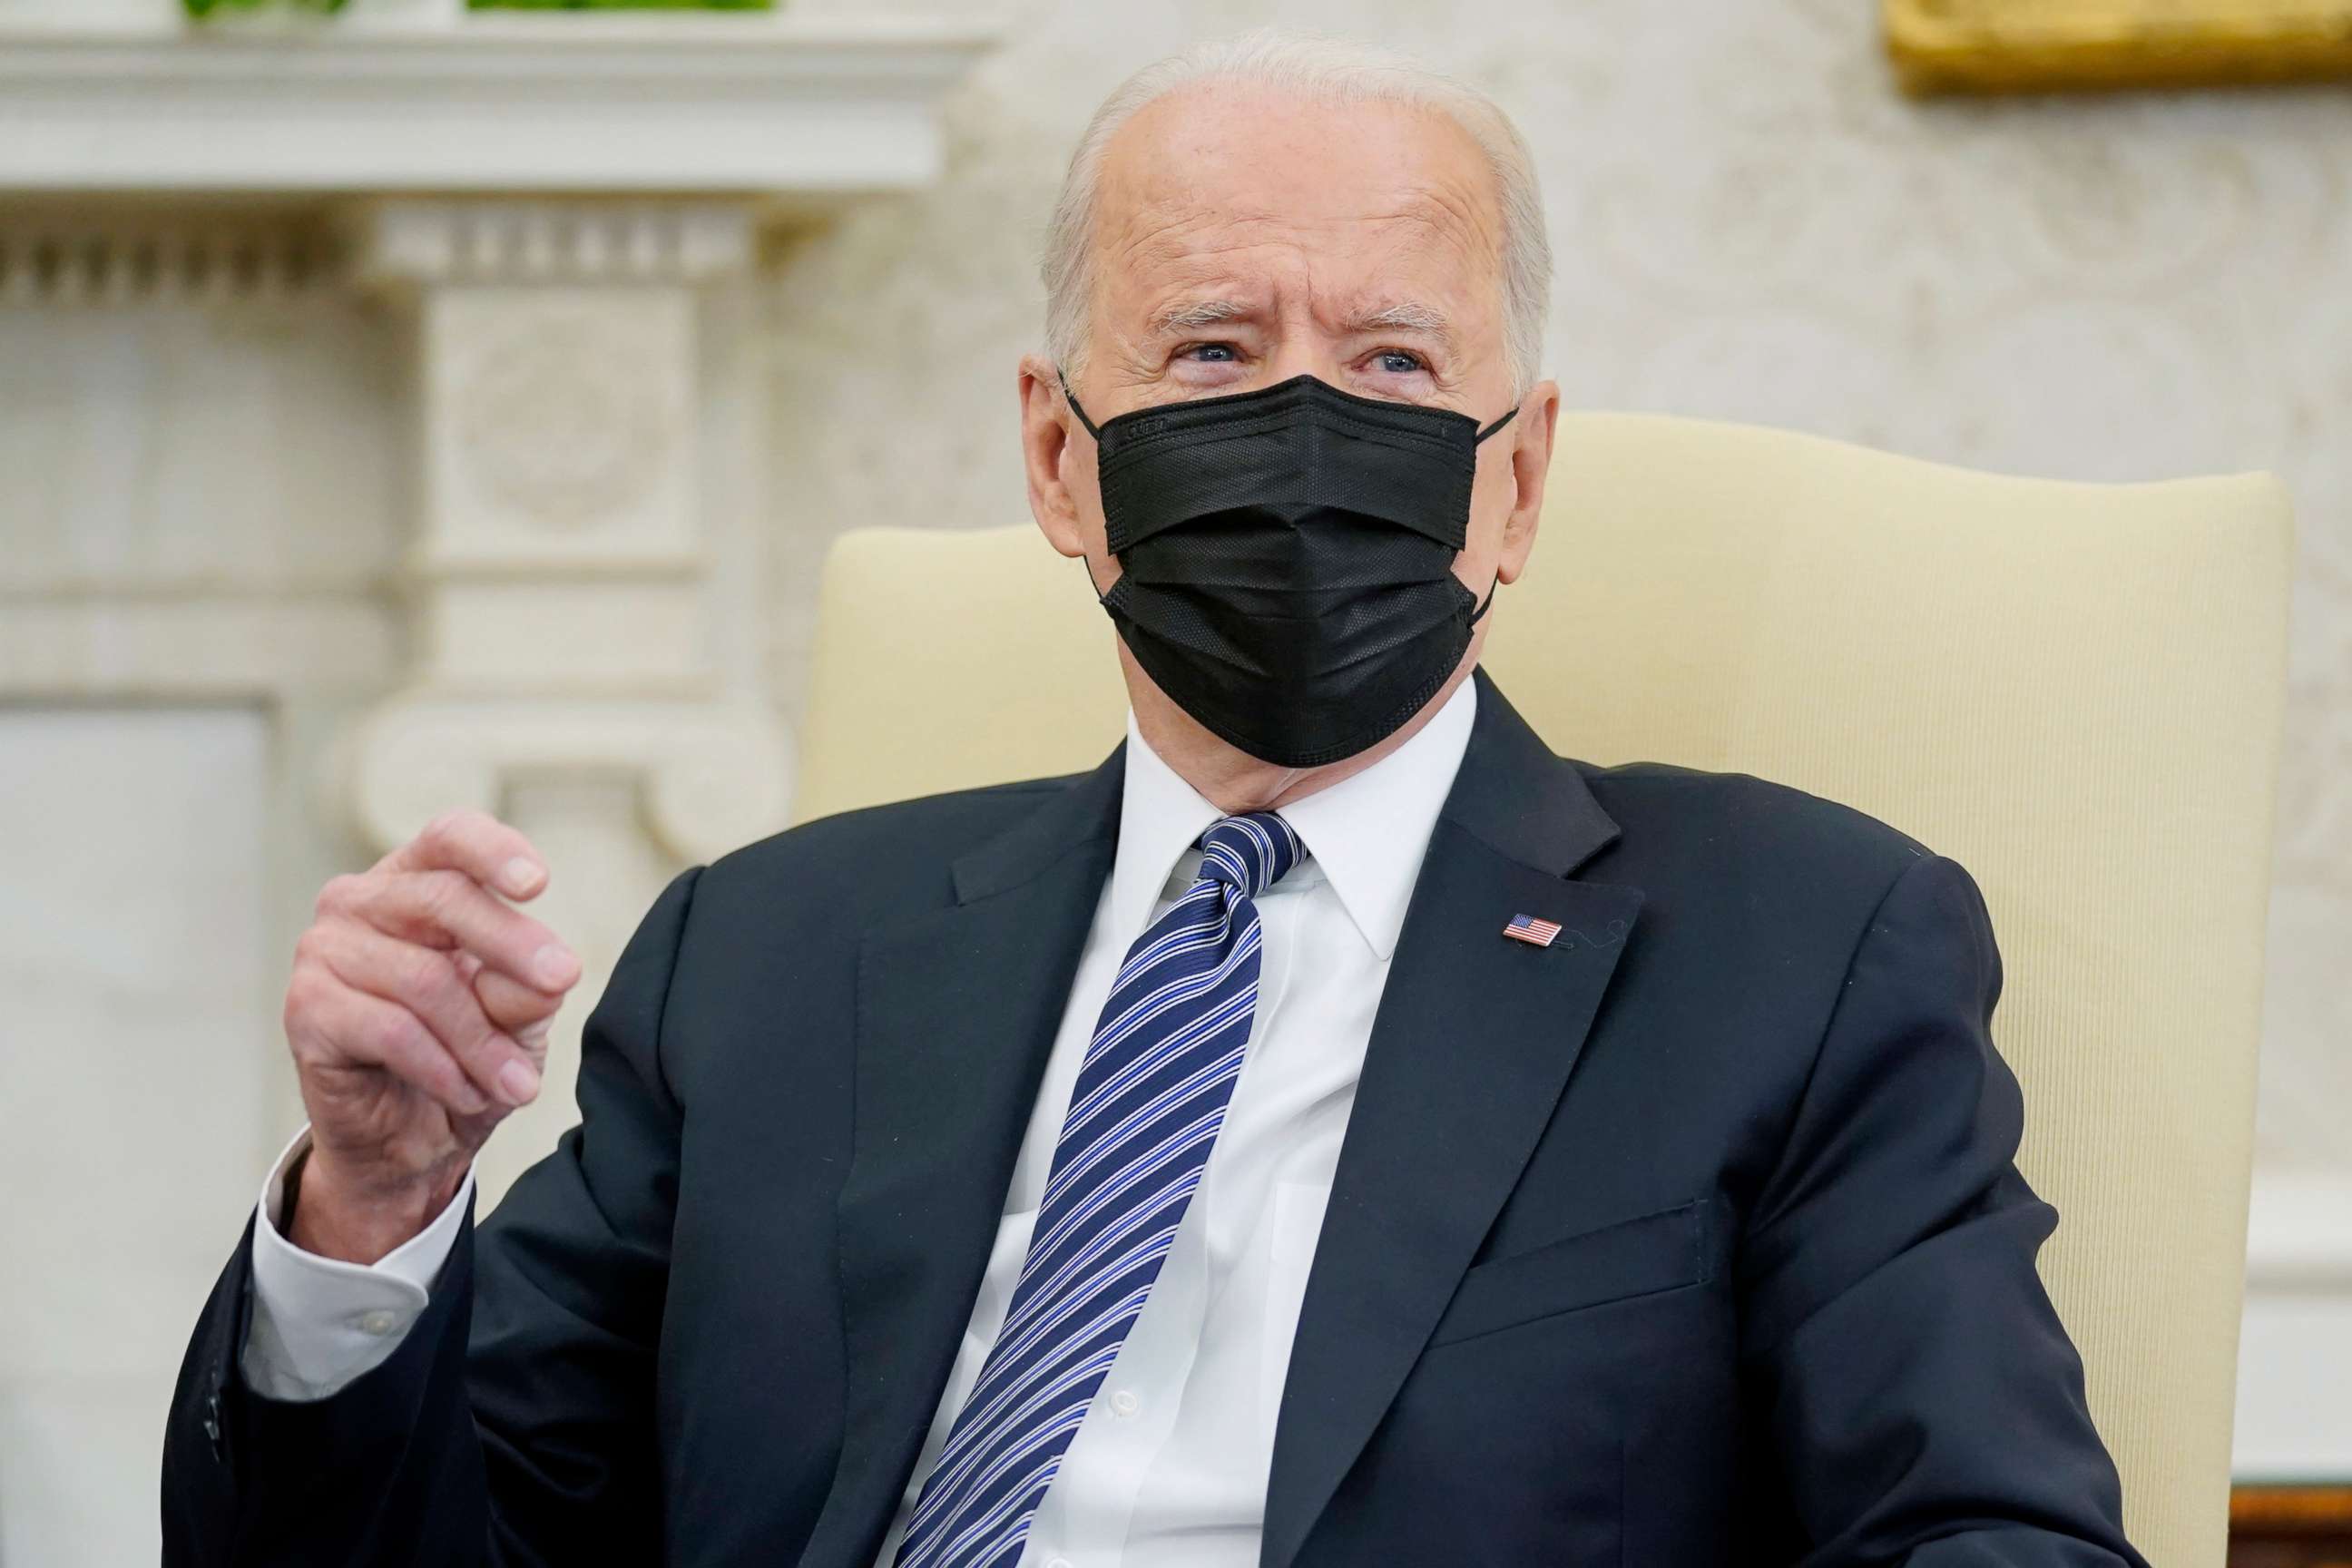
point(1211, 354)
point(1398, 361)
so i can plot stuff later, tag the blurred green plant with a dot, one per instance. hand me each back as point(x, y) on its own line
point(206, 7)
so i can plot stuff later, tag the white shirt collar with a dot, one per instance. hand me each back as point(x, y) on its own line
point(1367, 834)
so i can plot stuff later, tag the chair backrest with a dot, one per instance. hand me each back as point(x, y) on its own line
point(2076, 691)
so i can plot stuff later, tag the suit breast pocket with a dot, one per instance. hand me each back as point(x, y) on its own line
point(1638, 1257)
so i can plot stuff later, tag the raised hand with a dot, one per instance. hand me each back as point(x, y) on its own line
point(418, 1015)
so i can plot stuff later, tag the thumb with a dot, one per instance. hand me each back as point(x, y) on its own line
point(526, 1014)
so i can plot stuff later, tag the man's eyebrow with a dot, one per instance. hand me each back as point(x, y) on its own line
point(1191, 315)
point(1408, 315)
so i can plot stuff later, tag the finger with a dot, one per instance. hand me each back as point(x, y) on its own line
point(480, 846)
point(521, 1011)
point(526, 1014)
point(443, 908)
point(426, 981)
point(368, 1031)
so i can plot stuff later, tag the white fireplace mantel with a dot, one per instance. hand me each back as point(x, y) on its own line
point(398, 96)
point(555, 219)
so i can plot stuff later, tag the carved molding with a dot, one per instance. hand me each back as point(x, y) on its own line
point(552, 425)
point(54, 258)
point(195, 252)
point(527, 186)
point(563, 587)
point(777, 103)
point(714, 775)
point(418, 241)
point(558, 421)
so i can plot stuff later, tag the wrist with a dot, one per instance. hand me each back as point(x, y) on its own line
point(332, 1212)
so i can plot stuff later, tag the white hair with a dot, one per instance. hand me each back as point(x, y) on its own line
point(1327, 70)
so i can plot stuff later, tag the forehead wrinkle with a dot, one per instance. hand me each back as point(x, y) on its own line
point(1210, 260)
point(1221, 271)
point(1183, 222)
point(1202, 172)
point(1193, 232)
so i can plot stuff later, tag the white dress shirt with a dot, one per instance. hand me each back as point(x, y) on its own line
point(1168, 1469)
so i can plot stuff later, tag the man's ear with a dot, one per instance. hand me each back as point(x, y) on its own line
point(1538, 423)
point(1052, 445)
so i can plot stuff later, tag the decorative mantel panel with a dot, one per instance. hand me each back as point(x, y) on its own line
point(559, 436)
point(461, 327)
point(568, 576)
point(561, 214)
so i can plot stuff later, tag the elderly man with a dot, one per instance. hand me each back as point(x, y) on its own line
point(1335, 1130)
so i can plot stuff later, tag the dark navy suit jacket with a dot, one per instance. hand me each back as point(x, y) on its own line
point(1694, 1238)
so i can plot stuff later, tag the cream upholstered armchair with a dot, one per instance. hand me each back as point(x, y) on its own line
point(2076, 691)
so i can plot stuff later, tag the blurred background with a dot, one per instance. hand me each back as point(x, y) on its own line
point(411, 405)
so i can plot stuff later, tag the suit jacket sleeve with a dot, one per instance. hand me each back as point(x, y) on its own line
point(514, 1425)
point(1923, 1398)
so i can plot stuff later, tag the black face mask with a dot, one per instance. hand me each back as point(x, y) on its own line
point(1287, 560)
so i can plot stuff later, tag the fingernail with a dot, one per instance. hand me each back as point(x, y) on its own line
point(518, 1083)
point(519, 876)
point(553, 964)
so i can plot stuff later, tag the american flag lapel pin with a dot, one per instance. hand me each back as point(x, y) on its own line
point(1533, 932)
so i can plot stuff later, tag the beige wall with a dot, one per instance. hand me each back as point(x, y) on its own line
point(1751, 225)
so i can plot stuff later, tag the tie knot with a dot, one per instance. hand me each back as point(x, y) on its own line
point(1250, 853)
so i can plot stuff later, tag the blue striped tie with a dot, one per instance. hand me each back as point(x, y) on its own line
point(1144, 1111)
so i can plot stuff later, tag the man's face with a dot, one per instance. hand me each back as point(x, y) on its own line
point(1243, 237)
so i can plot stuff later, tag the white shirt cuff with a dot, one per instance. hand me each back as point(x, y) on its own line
point(320, 1324)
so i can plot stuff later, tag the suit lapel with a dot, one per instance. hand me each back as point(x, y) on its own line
point(957, 1010)
point(1471, 1049)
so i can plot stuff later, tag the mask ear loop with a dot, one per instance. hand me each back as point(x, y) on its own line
point(1488, 602)
point(1102, 597)
point(1072, 398)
